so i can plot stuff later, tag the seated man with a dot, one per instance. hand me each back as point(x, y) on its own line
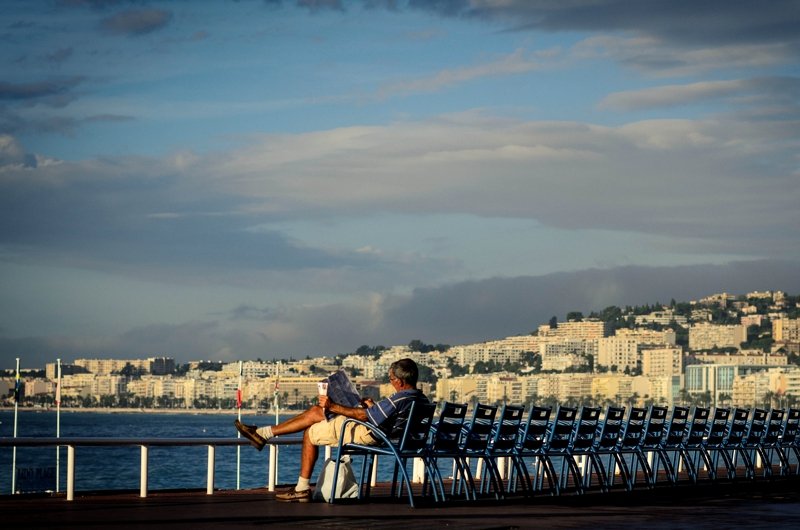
point(403, 376)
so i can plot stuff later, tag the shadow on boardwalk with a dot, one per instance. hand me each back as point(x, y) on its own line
point(755, 504)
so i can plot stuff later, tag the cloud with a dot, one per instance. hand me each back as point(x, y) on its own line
point(706, 185)
point(670, 96)
point(742, 93)
point(458, 313)
point(717, 22)
point(655, 57)
point(512, 64)
point(60, 55)
point(136, 22)
point(38, 89)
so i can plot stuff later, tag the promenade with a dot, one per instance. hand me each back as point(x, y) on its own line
point(750, 504)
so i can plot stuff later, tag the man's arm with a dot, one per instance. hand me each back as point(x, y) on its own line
point(357, 413)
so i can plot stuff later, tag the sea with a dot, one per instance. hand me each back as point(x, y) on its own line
point(117, 468)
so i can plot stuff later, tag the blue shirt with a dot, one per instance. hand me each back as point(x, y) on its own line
point(393, 405)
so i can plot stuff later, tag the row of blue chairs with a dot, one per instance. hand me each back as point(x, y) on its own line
point(577, 449)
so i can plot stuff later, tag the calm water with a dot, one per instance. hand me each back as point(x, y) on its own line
point(109, 468)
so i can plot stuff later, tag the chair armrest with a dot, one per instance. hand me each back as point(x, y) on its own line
point(374, 431)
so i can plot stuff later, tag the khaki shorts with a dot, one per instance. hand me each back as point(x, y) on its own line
point(327, 432)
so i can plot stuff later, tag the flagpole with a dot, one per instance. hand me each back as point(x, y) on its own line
point(58, 421)
point(238, 434)
point(14, 452)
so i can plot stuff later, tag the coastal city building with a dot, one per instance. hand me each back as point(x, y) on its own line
point(689, 353)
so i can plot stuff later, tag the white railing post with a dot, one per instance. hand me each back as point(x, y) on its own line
point(210, 479)
point(417, 471)
point(70, 472)
point(272, 473)
point(143, 473)
point(374, 478)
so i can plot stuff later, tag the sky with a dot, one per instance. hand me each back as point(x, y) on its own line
point(275, 179)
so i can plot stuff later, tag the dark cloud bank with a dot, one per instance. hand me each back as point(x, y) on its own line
point(455, 314)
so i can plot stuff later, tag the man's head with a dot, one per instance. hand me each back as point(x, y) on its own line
point(405, 371)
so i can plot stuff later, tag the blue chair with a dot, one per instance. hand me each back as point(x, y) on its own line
point(604, 453)
point(444, 443)
point(737, 431)
point(750, 447)
point(558, 446)
point(628, 452)
point(770, 441)
point(407, 439)
point(581, 445)
point(531, 445)
point(650, 446)
point(713, 444)
point(788, 450)
point(502, 444)
point(670, 451)
point(473, 447)
point(693, 451)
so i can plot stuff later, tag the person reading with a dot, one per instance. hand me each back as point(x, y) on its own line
point(318, 430)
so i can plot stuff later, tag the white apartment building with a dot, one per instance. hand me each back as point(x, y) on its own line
point(663, 318)
point(624, 389)
point(37, 386)
point(561, 354)
point(501, 351)
point(586, 329)
point(706, 336)
point(752, 389)
point(744, 357)
point(665, 361)
point(565, 387)
point(618, 352)
point(786, 329)
point(77, 385)
point(719, 379)
point(752, 320)
point(108, 385)
point(645, 336)
point(151, 365)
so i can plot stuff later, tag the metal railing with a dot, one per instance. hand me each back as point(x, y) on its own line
point(144, 444)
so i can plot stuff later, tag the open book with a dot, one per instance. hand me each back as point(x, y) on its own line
point(342, 391)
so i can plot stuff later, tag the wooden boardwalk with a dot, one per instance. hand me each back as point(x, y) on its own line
point(752, 504)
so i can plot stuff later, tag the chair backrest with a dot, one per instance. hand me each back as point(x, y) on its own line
point(655, 427)
point(534, 432)
point(790, 430)
point(756, 427)
point(584, 429)
point(774, 427)
point(717, 427)
point(415, 426)
point(697, 427)
point(633, 429)
point(477, 433)
point(446, 434)
point(506, 430)
point(608, 432)
point(738, 427)
point(676, 427)
point(563, 424)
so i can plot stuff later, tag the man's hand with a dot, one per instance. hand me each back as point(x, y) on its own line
point(367, 402)
point(325, 402)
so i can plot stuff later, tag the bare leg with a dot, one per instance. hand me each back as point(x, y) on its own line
point(308, 457)
point(300, 422)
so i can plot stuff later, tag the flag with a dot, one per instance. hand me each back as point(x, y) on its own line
point(238, 398)
point(17, 387)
